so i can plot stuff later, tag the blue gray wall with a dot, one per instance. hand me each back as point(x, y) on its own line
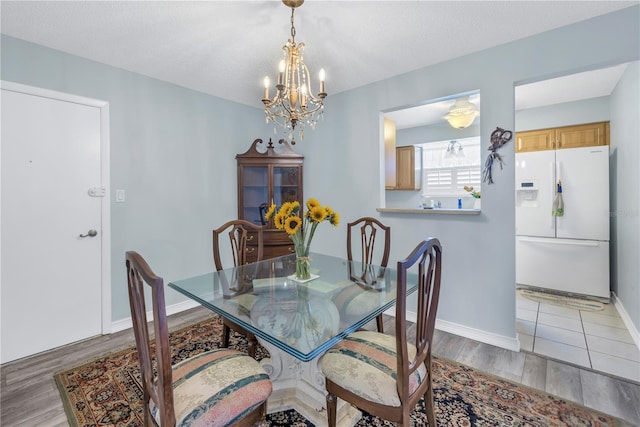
point(173, 150)
point(566, 114)
point(625, 202)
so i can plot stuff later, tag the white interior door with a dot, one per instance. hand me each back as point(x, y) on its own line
point(51, 276)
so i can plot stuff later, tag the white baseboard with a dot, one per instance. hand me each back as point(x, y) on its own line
point(633, 331)
point(501, 341)
point(122, 324)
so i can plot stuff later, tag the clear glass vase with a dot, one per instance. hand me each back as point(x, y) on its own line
point(302, 268)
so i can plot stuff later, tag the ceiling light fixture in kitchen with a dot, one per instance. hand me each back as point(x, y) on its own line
point(462, 113)
point(454, 149)
point(294, 105)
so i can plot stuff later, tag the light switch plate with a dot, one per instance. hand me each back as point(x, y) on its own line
point(119, 196)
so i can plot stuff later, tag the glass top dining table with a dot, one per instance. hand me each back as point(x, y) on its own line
point(303, 319)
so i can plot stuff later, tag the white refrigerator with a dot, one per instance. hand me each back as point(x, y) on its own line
point(568, 253)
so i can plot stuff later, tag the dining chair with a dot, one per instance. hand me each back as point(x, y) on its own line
point(365, 240)
point(385, 375)
point(238, 233)
point(219, 387)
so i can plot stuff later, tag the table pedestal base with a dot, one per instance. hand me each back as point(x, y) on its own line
point(300, 385)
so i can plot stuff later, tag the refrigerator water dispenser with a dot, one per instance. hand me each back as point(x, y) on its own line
point(527, 194)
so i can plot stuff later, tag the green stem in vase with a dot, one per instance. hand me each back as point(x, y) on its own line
point(302, 268)
point(313, 230)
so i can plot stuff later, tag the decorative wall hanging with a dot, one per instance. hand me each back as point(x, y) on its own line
point(499, 137)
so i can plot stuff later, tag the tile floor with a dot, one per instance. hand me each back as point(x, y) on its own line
point(593, 339)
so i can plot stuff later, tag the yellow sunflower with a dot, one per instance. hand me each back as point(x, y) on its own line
point(335, 219)
point(292, 224)
point(271, 211)
point(317, 214)
point(278, 221)
point(286, 209)
point(312, 203)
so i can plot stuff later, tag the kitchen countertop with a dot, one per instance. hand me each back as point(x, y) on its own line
point(432, 211)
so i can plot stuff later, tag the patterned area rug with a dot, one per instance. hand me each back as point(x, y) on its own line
point(561, 300)
point(106, 392)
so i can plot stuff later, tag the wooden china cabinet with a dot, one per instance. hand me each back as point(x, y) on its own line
point(268, 174)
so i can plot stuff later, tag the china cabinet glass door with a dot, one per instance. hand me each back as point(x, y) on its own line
point(255, 193)
point(285, 184)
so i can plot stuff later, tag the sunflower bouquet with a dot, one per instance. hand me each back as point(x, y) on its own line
point(290, 219)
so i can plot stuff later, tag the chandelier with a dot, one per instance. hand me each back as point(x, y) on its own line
point(293, 106)
point(462, 113)
point(454, 149)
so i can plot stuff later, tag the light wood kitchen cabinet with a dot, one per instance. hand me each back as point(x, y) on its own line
point(588, 135)
point(268, 176)
point(585, 135)
point(535, 140)
point(408, 168)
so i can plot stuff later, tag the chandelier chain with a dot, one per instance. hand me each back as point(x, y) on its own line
point(293, 28)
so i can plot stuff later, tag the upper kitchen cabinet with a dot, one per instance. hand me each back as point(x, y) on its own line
point(588, 135)
point(403, 165)
point(408, 168)
point(535, 140)
point(585, 135)
point(266, 177)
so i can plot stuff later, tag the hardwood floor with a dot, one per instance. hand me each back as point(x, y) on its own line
point(29, 396)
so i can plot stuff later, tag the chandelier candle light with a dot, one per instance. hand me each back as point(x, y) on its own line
point(294, 104)
point(289, 219)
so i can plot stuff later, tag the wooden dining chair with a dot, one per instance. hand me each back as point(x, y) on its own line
point(220, 387)
point(370, 255)
point(385, 375)
point(238, 234)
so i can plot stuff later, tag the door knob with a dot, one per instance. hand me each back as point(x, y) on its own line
point(90, 233)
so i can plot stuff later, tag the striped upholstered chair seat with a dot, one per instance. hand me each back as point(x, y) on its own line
point(216, 388)
point(355, 304)
point(365, 364)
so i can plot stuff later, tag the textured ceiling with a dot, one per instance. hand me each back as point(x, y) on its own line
point(225, 48)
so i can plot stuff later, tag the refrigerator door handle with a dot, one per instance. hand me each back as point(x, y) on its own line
point(558, 172)
point(552, 180)
point(560, 242)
